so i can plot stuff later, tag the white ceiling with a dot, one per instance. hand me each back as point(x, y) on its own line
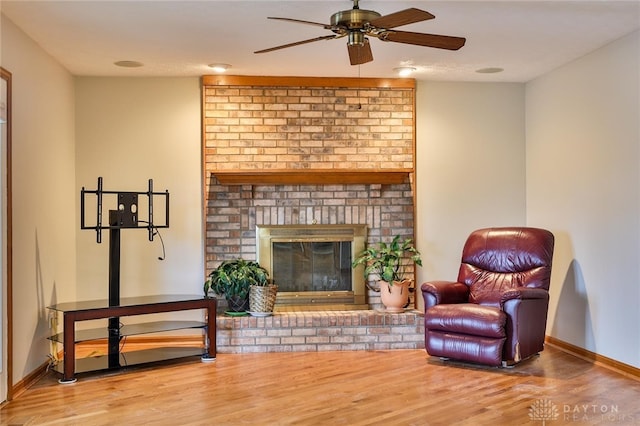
point(179, 38)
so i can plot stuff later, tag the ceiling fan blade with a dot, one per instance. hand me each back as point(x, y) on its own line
point(404, 17)
point(421, 39)
point(284, 46)
point(299, 21)
point(360, 54)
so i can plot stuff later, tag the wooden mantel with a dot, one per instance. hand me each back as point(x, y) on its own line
point(353, 82)
point(312, 176)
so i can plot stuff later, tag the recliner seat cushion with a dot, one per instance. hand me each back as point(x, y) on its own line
point(476, 349)
point(467, 318)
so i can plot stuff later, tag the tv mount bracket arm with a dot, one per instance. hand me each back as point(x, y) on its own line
point(126, 216)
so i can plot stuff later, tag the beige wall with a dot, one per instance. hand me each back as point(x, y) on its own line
point(470, 167)
point(583, 182)
point(130, 130)
point(44, 196)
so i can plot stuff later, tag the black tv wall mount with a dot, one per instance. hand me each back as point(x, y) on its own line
point(127, 214)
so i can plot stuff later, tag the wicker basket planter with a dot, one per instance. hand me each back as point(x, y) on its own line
point(262, 298)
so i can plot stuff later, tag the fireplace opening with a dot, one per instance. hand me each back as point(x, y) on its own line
point(312, 265)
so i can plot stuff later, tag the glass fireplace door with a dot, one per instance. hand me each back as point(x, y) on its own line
point(312, 266)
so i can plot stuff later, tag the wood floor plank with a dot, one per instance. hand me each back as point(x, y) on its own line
point(399, 387)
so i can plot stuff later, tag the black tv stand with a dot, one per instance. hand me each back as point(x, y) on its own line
point(127, 216)
point(99, 309)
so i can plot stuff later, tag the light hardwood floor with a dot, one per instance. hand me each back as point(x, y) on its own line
point(401, 387)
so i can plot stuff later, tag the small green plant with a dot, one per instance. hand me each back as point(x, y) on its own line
point(235, 278)
point(388, 261)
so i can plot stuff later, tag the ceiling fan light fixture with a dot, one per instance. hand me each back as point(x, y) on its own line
point(219, 67)
point(405, 71)
point(356, 38)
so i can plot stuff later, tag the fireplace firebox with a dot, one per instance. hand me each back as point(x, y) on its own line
point(311, 264)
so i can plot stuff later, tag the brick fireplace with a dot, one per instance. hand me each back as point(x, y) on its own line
point(304, 151)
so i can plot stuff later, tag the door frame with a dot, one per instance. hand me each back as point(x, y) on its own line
point(7, 258)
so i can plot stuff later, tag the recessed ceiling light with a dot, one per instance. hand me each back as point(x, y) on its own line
point(219, 67)
point(489, 70)
point(405, 71)
point(129, 64)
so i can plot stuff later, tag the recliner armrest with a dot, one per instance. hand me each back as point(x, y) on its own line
point(524, 293)
point(499, 298)
point(440, 292)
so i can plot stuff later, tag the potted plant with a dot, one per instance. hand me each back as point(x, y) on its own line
point(233, 279)
point(390, 263)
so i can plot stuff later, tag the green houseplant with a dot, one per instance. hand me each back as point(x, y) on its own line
point(390, 262)
point(233, 279)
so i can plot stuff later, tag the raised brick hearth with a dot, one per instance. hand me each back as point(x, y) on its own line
point(321, 331)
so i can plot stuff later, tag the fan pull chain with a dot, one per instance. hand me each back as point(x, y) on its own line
point(359, 80)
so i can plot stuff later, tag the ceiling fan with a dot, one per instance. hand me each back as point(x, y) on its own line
point(356, 24)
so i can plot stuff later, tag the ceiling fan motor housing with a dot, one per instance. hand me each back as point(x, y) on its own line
point(353, 19)
point(354, 22)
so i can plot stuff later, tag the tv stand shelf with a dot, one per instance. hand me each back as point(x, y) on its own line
point(130, 330)
point(99, 309)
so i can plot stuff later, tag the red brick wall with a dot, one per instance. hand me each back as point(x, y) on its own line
point(304, 123)
point(296, 127)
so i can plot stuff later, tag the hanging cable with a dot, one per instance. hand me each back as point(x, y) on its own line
point(155, 232)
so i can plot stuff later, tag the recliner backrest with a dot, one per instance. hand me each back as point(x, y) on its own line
point(497, 259)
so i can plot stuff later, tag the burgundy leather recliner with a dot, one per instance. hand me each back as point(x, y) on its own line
point(496, 312)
